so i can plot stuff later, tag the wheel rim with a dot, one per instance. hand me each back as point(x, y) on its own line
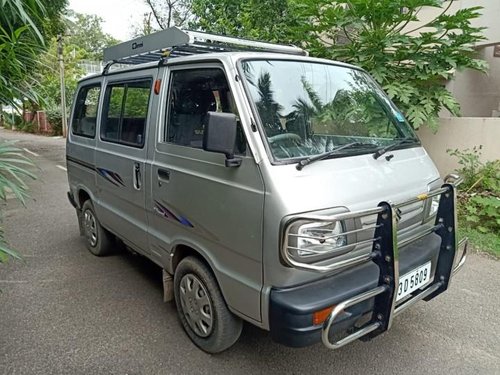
point(90, 227)
point(196, 305)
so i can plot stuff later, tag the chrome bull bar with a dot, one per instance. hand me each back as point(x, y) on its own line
point(385, 253)
point(377, 323)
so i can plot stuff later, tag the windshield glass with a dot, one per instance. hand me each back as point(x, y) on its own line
point(308, 108)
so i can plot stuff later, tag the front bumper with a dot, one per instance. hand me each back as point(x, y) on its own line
point(363, 297)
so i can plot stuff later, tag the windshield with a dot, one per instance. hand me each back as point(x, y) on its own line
point(308, 108)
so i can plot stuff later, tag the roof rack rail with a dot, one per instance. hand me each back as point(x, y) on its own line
point(174, 42)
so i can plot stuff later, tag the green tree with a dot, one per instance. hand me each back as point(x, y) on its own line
point(84, 40)
point(48, 75)
point(21, 38)
point(47, 78)
point(24, 25)
point(273, 20)
point(411, 60)
point(412, 63)
point(85, 31)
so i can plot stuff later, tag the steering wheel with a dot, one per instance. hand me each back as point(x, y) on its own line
point(284, 137)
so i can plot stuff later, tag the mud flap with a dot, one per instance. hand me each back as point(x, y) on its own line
point(168, 287)
point(79, 215)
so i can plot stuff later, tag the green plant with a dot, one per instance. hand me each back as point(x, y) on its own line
point(24, 26)
point(411, 58)
point(485, 242)
point(13, 174)
point(479, 196)
point(470, 164)
point(28, 126)
point(54, 118)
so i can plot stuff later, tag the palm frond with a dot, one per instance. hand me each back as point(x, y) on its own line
point(13, 176)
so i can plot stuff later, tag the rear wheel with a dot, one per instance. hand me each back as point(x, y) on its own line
point(99, 240)
point(202, 309)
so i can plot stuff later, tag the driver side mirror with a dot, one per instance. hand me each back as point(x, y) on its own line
point(220, 136)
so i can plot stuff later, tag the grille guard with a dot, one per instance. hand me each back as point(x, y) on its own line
point(385, 253)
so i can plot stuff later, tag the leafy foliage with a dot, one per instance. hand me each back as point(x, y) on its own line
point(24, 25)
point(54, 117)
point(13, 174)
point(273, 20)
point(84, 41)
point(47, 75)
point(85, 34)
point(411, 63)
point(480, 195)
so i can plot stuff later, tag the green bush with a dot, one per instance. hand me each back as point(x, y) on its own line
point(479, 195)
point(54, 117)
point(10, 121)
point(28, 126)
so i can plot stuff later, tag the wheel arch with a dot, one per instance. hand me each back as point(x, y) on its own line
point(183, 250)
point(229, 284)
point(83, 194)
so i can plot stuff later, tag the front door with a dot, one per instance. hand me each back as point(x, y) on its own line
point(196, 200)
point(121, 156)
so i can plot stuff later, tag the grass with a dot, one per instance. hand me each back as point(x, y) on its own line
point(483, 242)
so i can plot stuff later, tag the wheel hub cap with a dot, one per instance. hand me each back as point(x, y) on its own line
point(90, 227)
point(196, 305)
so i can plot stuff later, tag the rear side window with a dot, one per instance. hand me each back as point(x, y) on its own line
point(125, 112)
point(85, 115)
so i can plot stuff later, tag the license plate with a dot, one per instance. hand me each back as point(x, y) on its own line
point(413, 280)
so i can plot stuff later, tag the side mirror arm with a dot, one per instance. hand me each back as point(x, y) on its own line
point(232, 161)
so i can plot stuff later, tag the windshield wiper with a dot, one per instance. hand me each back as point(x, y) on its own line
point(301, 164)
point(381, 151)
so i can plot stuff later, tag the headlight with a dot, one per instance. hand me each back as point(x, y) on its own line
point(434, 206)
point(431, 208)
point(317, 239)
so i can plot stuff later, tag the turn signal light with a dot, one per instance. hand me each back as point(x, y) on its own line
point(157, 86)
point(320, 316)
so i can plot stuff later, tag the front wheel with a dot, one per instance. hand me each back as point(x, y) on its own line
point(202, 309)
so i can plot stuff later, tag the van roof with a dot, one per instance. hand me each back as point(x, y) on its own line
point(174, 42)
point(174, 45)
point(217, 56)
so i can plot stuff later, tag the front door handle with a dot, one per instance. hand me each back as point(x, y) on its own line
point(163, 176)
point(137, 176)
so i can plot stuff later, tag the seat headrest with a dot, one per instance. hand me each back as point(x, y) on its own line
point(191, 101)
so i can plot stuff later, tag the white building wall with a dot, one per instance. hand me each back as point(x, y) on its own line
point(477, 93)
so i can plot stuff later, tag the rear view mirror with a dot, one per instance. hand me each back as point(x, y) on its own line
point(220, 136)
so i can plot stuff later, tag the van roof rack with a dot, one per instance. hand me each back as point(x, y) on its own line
point(174, 42)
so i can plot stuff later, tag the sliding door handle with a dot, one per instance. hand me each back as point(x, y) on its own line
point(137, 176)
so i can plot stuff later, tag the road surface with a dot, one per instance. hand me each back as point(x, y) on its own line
point(65, 311)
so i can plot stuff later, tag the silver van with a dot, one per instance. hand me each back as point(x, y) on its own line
point(271, 187)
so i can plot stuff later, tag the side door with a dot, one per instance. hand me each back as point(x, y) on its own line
point(196, 200)
point(121, 155)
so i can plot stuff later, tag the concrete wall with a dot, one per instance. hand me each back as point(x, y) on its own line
point(461, 133)
point(489, 19)
point(479, 93)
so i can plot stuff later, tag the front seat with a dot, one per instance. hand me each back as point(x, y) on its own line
point(189, 112)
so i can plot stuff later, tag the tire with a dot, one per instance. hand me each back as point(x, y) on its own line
point(98, 240)
point(199, 301)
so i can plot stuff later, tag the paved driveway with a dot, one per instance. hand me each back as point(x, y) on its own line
point(63, 310)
